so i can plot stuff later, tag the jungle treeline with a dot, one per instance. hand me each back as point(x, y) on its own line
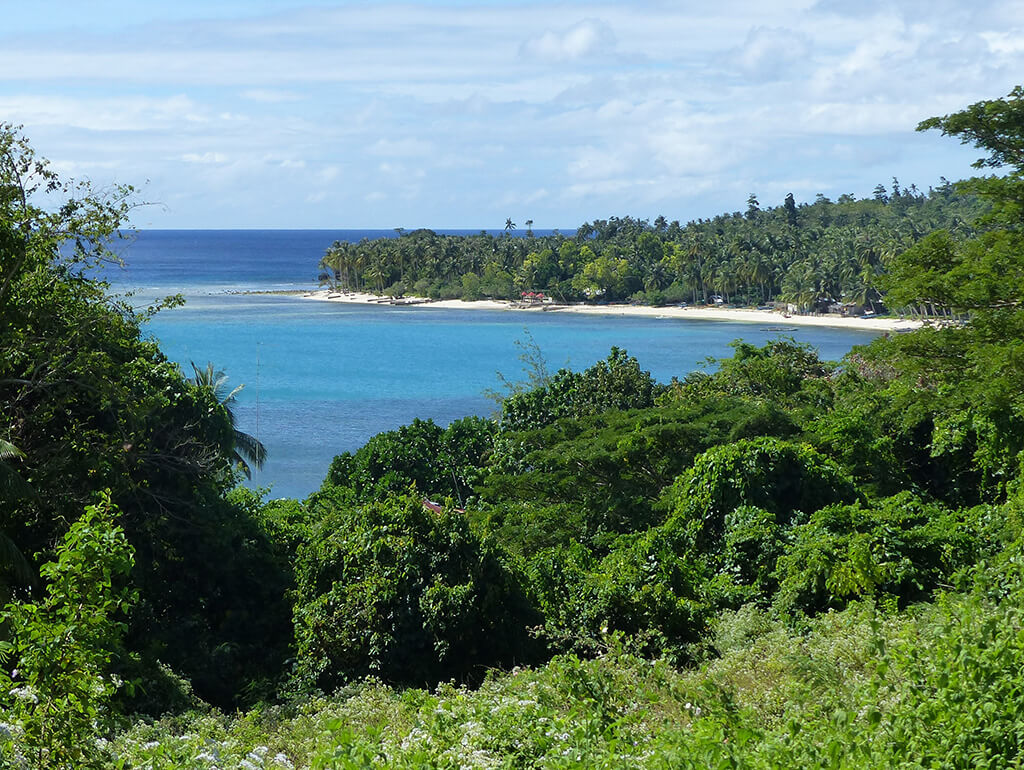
point(813, 256)
point(778, 562)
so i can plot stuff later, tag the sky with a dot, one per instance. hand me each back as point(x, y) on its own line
point(273, 114)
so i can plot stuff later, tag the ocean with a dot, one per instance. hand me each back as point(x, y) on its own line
point(321, 378)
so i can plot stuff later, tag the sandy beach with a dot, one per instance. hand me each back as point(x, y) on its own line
point(769, 318)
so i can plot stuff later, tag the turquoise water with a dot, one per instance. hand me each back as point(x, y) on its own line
point(321, 378)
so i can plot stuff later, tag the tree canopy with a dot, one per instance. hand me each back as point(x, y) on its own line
point(810, 255)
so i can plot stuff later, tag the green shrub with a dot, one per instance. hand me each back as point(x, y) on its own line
point(753, 542)
point(779, 476)
point(224, 621)
point(526, 528)
point(405, 594)
point(782, 370)
point(447, 291)
point(441, 462)
point(902, 548)
point(615, 383)
point(58, 681)
point(650, 589)
point(654, 590)
point(471, 287)
point(558, 580)
point(607, 470)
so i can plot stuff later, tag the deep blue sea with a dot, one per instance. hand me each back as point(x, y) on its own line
point(321, 378)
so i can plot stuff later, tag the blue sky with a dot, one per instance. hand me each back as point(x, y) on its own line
point(343, 115)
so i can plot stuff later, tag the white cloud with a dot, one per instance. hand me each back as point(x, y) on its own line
point(1004, 43)
point(432, 113)
point(409, 147)
point(269, 96)
point(599, 188)
point(769, 53)
point(593, 163)
point(328, 174)
point(80, 169)
point(856, 118)
point(101, 113)
point(686, 153)
point(206, 158)
point(586, 38)
point(533, 197)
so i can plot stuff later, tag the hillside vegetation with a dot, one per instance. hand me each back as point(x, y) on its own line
point(785, 562)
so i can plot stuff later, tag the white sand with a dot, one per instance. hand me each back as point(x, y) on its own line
point(763, 317)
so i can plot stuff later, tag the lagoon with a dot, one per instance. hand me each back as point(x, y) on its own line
point(321, 378)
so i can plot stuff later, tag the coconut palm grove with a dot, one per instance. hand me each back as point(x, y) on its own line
point(780, 562)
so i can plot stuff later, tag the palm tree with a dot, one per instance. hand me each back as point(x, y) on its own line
point(8, 476)
point(245, 448)
point(375, 272)
point(12, 485)
point(657, 277)
point(801, 285)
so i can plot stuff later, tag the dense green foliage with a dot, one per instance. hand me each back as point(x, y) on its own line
point(92, 405)
point(613, 384)
point(809, 255)
point(437, 461)
point(403, 593)
point(899, 549)
point(778, 562)
point(62, 646)
point(853, 689)
point(784, 478)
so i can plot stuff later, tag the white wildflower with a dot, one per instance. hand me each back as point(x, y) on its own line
point(213, 750)
point(26, 694)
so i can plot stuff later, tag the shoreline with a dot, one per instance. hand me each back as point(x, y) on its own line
point(742, 315)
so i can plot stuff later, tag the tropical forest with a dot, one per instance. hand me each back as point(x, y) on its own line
point(780, 561)
point(812, 256)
